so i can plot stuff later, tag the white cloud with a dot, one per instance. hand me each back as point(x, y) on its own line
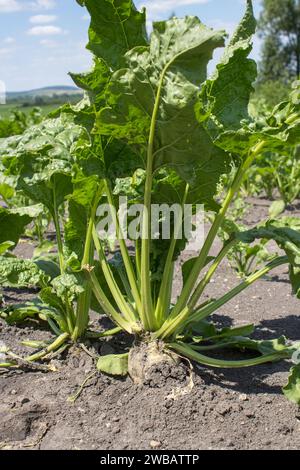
point(11, 6)
point(160, 9)
point(45, 31)
point(9, 40)
point(43, 4)
point(157, 6)
point(42, 19)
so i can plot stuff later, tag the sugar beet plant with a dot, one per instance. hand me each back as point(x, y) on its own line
point(157, 130)
point(180, 132)
point(43, 166)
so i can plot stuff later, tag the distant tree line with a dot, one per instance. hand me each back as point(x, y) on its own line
point(43, 100)
point(279, 29)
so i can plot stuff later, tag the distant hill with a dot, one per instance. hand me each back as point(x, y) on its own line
point(46, 92)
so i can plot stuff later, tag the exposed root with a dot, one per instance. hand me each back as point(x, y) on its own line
point(179, 392)
point(144, 356)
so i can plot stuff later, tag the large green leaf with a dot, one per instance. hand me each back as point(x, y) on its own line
point(12, 224)
point(49, 187)
point(223, 101)
point(280, 131)
point(116, 27)
point(94, 82)
point(48, 266)
point(225, 97)
point(175, 64)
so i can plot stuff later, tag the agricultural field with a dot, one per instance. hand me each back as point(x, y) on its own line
point(6, 110)
point(150, 249)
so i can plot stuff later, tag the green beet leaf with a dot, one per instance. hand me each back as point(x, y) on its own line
point(225, 97)
point(292, 389)
point(113, 364)
point(13, 223)
point(116, 27)
point(170, 69)
point(4, 246)
point(16, 272)
point(67, 286)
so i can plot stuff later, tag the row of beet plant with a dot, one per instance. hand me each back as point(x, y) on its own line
point(154, 128)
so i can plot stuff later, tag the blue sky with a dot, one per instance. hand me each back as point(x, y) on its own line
point(42, 40)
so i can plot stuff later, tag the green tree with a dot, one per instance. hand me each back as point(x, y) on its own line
point(279, 27)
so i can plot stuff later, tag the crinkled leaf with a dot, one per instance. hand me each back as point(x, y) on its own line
point(116, 27)
point(280, 132)
point(16, 272)
point(177, 60)
point(55, 139)
point(94, 83)
point(223, 102)
point(225, 97)
point(292, 388)
point(286, 238)
point(51, 192)
point(67, 286)
point(113, 364)
point(31, 211)
point(6, 191)
point(42, 160)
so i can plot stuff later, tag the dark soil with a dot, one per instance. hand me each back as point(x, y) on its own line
point(176, 408)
